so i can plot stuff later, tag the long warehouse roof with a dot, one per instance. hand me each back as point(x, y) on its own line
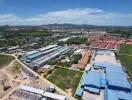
point(49, 56)
point(41, 53)
point(46, 56)
point(117, 95)
point(42, 92)
point(47, 47)
point(115, 75)
point(31, 89)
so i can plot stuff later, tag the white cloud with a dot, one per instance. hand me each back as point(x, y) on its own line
point(75, 16)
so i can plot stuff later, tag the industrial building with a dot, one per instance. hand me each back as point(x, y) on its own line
point(43, 93)
point(107, 75)
point(92, 81)
point(32, 55)
point(84, 61)
point(116, 95)
point(41, 56)
point(13, 49)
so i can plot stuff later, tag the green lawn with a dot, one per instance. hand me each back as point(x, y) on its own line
point(126, 58)
point(65, 79)
point(5, 60)
point(126, 49)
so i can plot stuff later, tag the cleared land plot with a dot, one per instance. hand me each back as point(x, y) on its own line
point(126, 58)
point(65, 79)
point(5, 60)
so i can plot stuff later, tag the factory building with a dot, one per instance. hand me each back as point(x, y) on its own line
point(43, 60)
point(84, 61)
point(45, 94)
point(107, 75)
point(41, 56)
point(32, 55)
point(13, 49)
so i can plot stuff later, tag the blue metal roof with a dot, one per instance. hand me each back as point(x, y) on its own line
point(111, 95)
point(35, 55)
point(113, 69)
point(118, 80)
point(103, 76)
point(92, 78)
point(91, 81)
point(115, 76)
point(43, 60)
point(117, 95)
point(41, 53)
point(103, 83)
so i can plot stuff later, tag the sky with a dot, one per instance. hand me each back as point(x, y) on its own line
point(40, 12)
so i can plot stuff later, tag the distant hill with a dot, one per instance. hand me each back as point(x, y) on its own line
point(63, 26)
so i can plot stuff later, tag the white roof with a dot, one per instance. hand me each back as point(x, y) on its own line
point(31, 89)
point(47, 47)
point(64, 39)
point(54, 96)
point(87, 67)
point(31, 52)
point(42, 92)
point(15, 47)
point(105, 58)
point(78, 51)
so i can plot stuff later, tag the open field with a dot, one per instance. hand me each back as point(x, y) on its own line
point(126, 49)
point(65, 79)
point(5, 60)
point(126, 58)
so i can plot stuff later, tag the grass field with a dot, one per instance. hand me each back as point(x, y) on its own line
point(5, 60)
point(65, 79)
point(126, 58)
point(126, 49)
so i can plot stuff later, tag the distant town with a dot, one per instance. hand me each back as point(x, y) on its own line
point(65, 62)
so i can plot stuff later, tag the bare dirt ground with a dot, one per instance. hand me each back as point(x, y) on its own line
point(9, 79)
point(69, 91)
point(15, 77)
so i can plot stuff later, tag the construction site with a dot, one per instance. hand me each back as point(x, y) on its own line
point(16, 83)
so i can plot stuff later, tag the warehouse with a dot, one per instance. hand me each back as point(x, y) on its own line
point(105, 56)
point(32, 55)
point(91, 82)
point(43, 93)
point(116, 77)
point(48, 47)
point(116, 95)
point(13, 49)
point(40, 54)
point(84, 61)
point(40, 57)
point(43, 60)
point(106, 76)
